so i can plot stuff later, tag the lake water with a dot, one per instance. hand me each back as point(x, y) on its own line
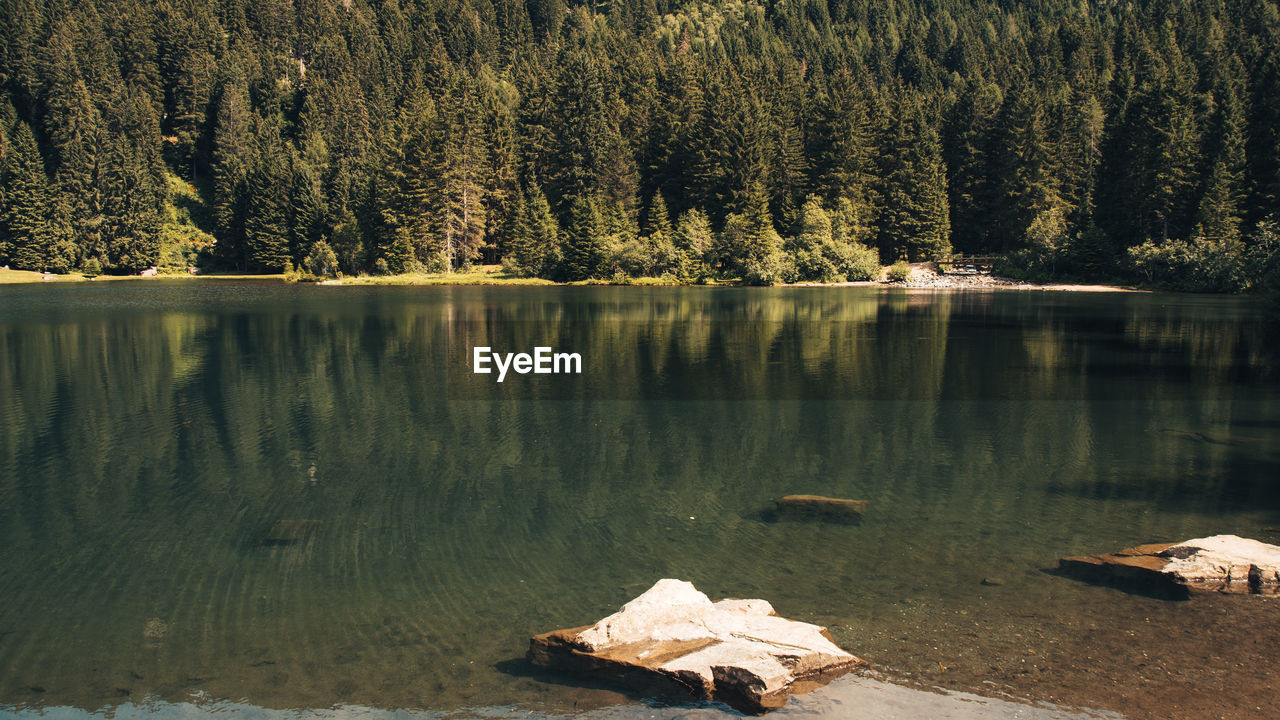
point(153, 434)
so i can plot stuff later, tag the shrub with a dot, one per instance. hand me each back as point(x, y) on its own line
point(855, 261)
point(630, 257)
point(1201, 265)
point(92, 268)
point(511, 267)
point(900, 271)
point(1264, 262)
point(380, 267)
point(817, 265)
point(322, 262)
point(438, 263)
point(768, 270)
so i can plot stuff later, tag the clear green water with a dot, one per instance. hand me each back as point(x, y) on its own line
point(151, 435)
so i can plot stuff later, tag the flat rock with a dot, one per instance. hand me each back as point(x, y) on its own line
point(673, 638)
point(818, 505)
point(1222, 563)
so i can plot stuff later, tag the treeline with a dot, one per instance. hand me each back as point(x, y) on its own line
point(790, 140)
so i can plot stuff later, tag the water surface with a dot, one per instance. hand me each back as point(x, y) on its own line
point(153, 434)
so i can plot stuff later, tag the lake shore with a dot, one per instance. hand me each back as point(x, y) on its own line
point(923, 277)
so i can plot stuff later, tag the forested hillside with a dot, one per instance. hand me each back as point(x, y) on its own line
point(768, 141)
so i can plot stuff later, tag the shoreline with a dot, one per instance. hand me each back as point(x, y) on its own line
point(921, 279)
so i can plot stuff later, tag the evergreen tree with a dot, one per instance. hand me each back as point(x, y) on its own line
point(266, 226)
point(658, 219)
point(584, 246)
point(462, 219)
point(130, 229)
point(539, 253)
point(749, 244)
point(1029, 184)
point(27, 203)
point(233, 158)
point(914, 220)
point(695, 242)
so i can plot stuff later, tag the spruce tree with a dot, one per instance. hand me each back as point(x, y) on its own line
point(913, 218)
point(658, 219)
point(233, 159)
point(27, 203)
point(749, 244)
point(540, 253)
point(266, 227)
point(584, 240)
point(462, 220)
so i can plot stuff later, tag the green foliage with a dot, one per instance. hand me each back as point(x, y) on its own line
point(1201, 265)
point(91, 268)
point(25, 220)
point(899, 272)
point(537, 252)
point(1264, 262)
point(322, 261)
point(749, 244)
point(584, 248)
point(855, 262)
point(915, 216)
point(1057, 136)
point(695, 243)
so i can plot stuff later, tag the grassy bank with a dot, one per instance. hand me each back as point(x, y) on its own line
point(921, 277)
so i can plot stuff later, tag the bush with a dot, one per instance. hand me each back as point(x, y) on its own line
point(1264, 262)
point(380, 267)
point(1201, 265)
point(92, 268)
point(437, 264)
point(768, 270)
point(855, 261)
point(900, 271)
point(511, 267)
point(322, 262)
point(630, 257)
point(816, 265)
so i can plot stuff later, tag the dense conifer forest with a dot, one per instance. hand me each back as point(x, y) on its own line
point(766, 141)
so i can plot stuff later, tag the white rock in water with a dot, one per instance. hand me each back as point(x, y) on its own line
point(1223, 563)
point(1227, 559)
point(738, 651)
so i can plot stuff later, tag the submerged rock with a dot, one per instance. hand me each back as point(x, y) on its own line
point(673, 638)
point(817, 505)
point(1222, 563)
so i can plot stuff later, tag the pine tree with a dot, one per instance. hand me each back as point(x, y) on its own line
point(307, 212)
point(130, 228)
point(540, 252)
point(463, 215)
point(27, 203)
point(233, 158)
point(658, 219)
point(1219, 216)
point(972, 154)
point(266, 226)
point(696, 244)
point(749, 244)
point(842, 143)
point(914, 220)
point(1028, 177)
point(412, 193)
point(583, 246)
